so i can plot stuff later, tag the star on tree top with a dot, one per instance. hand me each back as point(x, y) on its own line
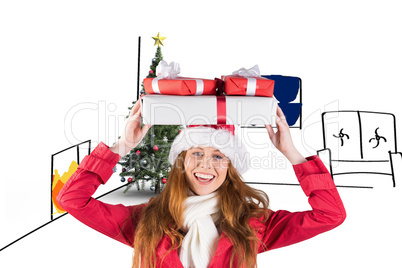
point(158, 40)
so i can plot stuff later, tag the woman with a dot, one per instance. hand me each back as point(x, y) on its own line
point(206, 216)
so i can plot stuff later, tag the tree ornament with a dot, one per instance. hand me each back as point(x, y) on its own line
point(158, 40)
point(156, 148)
point(130, 180)
point(164, 180)
point(151, 72)
point(123, 169)
point(138, 152)
point(123, 179)
point(152, 188)
point(142, 144)
point(165, 139)
point(143, 162)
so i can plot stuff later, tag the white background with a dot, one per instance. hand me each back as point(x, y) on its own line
point(68, 73)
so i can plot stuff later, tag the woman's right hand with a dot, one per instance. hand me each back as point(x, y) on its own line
point(132, 134)
point(282, 139)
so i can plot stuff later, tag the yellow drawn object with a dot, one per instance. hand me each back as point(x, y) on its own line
point(58, 183)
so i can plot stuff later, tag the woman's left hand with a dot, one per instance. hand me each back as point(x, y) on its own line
point(282, 139)
point(133, 133)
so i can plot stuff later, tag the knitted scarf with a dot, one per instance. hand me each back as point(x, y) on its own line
point(198, 244)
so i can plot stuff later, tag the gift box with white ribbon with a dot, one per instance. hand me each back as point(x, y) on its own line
point(208, 110)
point(248, 82)
point(168, 82)
point(180, 86)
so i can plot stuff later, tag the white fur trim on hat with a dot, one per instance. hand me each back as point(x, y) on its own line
point(221, 139)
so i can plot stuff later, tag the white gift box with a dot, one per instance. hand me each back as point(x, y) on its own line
point(207, 109)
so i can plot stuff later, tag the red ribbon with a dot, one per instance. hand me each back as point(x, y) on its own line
point(221, 109)
point(221, 116)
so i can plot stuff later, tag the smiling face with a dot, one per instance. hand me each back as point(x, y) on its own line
point(205, 169)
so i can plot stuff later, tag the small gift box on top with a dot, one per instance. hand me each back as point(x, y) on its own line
point(248, 82)
point(168, 82)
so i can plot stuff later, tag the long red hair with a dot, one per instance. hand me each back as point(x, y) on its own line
point(164, 215)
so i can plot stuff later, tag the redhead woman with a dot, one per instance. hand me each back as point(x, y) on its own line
point(206, 216)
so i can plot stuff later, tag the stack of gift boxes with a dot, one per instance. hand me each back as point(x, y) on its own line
point(242, 98)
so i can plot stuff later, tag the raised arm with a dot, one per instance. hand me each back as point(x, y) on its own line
point(115, 221)
point(284, 228)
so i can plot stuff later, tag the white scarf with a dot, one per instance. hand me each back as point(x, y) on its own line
point(198, 244)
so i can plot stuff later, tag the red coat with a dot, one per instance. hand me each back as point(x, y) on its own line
point(283, 228)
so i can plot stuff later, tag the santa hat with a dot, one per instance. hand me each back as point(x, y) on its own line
point(221, 137)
